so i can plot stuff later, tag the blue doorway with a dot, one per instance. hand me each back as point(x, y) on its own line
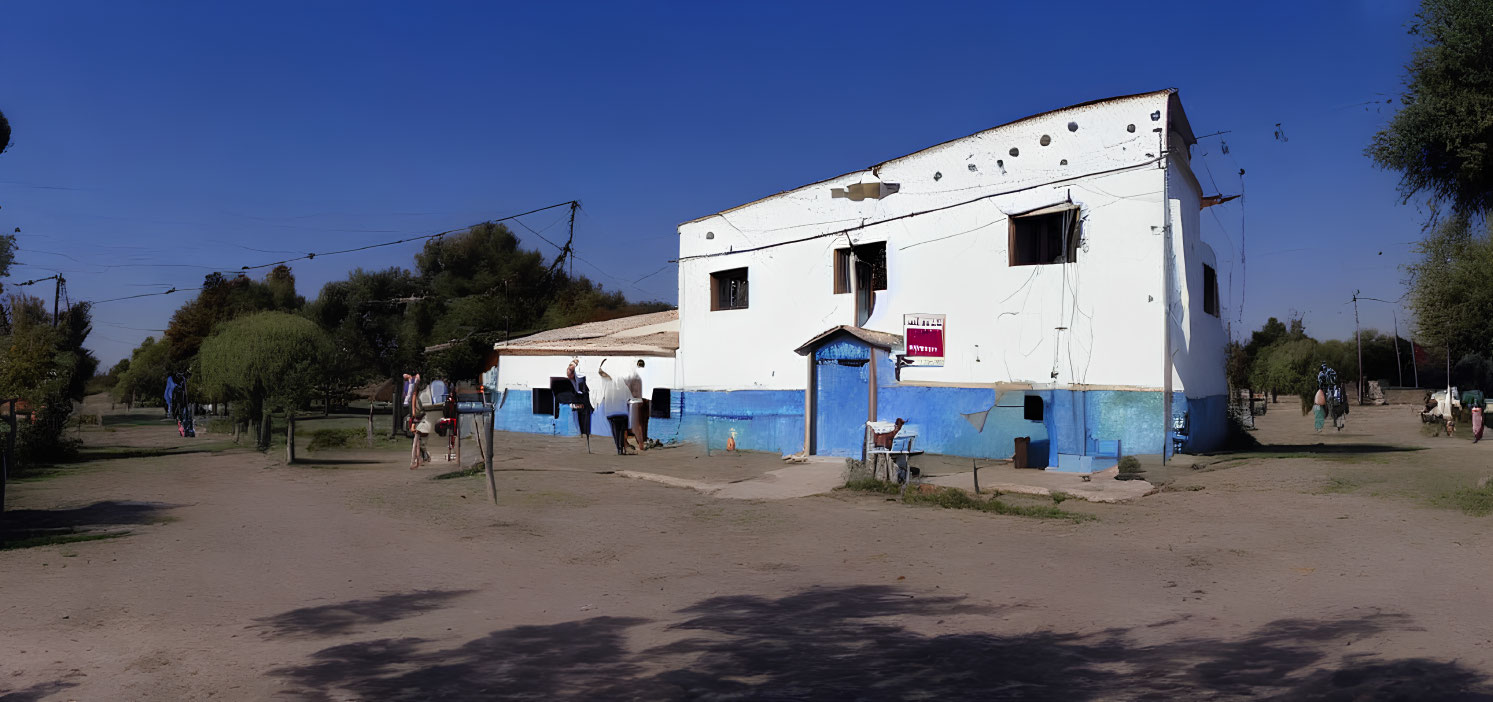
point(842, 402)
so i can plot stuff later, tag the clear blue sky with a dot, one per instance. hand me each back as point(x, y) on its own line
point(166, 139)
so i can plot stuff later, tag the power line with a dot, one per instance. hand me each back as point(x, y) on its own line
point(423, 237)
point(847, 230)
point(144, 294)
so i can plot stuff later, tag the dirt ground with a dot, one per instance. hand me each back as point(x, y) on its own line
point(1328, 566)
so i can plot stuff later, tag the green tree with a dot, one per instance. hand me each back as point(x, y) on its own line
point(142, 379)
point(1441, 140)
point(222, 299)
point(365, 316)
point(267, 362)
point(45, 365)
point(1449, 294)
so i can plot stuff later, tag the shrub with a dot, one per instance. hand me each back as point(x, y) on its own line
point(954, 498)
point(1130, 464)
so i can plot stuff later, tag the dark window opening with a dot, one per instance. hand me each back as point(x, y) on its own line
point(870, 267)
point(728, 289)
point(1210, 290)
point(658, 407)
point(1031, 409)
point(1040, 239)
point(544, 402)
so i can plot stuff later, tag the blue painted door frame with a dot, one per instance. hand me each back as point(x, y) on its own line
point(842, 398)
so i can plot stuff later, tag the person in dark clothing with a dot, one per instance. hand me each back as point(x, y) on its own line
point(582, 408)
point(612, 404)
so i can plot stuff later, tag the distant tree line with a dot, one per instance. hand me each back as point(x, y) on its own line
point(261, 348)
point(1281, 359)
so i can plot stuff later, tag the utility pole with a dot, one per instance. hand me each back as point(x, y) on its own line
point(1414, 368)
point(1166, 301)
point(1358, 336)
point(56, 295)
point(574, 205)
point(1399, 367)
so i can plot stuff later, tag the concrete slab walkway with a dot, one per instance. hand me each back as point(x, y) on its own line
point(1101, 487)
point(818, 475)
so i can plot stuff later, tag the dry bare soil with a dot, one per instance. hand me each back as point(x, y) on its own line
point(1333, 566)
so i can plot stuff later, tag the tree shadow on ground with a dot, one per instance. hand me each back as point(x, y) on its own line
point(353, 616)
point(315, 459)
point(89, 454)
point(1334, 448)
point(27, 523)
point(851, 643)
point(36, 692)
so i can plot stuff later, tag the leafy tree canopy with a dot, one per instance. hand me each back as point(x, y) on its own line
point(142, 376)
point(1449, 294)
point(44, 364)
point(222, 299)
point(1441, 141)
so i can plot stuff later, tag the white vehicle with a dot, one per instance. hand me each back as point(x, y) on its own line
point(1443, 409)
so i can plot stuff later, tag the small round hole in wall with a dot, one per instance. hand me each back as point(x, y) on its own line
point(709, 235)
point(1156, 116)
point(972, 168)
point(1130, 128)
point(1000, 163)
point(1045, 140)
point(1015, 151)
point(1072, 126)
point(1063, 162)
point(938, 175)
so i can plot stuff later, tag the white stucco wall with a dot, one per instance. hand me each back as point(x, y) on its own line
point(1002, 321)
point(529, 372)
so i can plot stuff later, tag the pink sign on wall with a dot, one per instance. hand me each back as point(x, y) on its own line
point(925, 340)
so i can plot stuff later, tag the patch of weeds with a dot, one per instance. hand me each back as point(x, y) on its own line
point(1058, 496)
point(1475, 501)
point(1130, 465)
point(57, 539)
point(1340, 485)
point(954, 498)
point(1179, 488)
point(356, 438)
point(460, 473)
point(868, 484)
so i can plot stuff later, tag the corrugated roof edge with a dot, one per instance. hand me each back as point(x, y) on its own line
point(1167, 91)
point(879, 339)
point(592, 330)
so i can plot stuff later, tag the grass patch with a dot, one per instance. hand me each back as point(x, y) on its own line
point(460, 473)
point(58, 539)
point(1475, 501)
point(953, 498)
point(345, 438)
point(1341, 485)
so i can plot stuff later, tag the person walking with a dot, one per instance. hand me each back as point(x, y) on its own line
point(1477, 424)
point(637, 405)
point(612, 404)
point(582, 407)
point(1319, 410)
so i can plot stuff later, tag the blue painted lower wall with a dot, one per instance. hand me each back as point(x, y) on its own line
point(761, 420)
point(773, 420)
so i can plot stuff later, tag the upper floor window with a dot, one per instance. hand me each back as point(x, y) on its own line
point(1044, 236)
point(728, 289)
point(870, 268)
point(1210, 290)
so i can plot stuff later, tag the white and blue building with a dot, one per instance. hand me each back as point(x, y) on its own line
point(1061, 254)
